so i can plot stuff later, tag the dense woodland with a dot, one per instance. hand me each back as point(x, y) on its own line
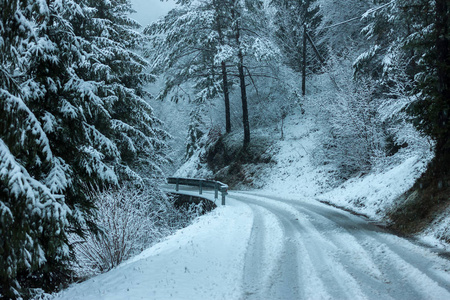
point(78, 137)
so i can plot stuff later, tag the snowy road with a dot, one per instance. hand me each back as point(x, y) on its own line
point(304, 250)
point(261, 247)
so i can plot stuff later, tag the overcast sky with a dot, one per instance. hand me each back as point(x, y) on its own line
point(150, 10)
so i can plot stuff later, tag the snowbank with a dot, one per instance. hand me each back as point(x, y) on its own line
point(375, 193)
point(183, 265)
point(298, 174)
point(438, 233)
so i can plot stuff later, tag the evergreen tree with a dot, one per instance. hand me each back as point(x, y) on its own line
point(429, 41)
point(414, 33)
point(72, 116)
point(290, 18)
point(195, 132)
point(386, 32)
point(33, 179)
point(202, 41)
point(183, 46)
point(118, 74)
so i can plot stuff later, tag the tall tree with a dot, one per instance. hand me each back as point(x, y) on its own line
point(205, 41)
point(118, 75)
point(220, 8)
point(236, 15)
point(429, 39)
point(183, 46)
point(251, 48)
point(72, 115)
point(414, 32)
point(33, 178)
point(290, 19)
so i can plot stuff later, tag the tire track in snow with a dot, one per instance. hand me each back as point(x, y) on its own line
point(285, 281)
point(372, 237)
point(314, 266)
point(263, 253)
point(359, 258)
point(398, 254)
point(271, 254)
point(349, 247)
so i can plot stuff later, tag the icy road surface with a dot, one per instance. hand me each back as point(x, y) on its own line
point(259, 247)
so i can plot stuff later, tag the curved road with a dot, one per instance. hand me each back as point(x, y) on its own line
point(307, 250)
point(264, 248)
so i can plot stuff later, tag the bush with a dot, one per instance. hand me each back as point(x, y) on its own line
point(130, 220)
point(354, 138)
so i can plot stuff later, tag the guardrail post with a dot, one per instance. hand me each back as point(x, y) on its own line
point(216, 191)
point(177, 187)
point(223, 196)
point(201, 188)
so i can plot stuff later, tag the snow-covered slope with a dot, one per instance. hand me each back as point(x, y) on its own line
point(298, 173)
point(298, 170)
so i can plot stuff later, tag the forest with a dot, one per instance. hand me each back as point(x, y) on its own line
point(96, 110)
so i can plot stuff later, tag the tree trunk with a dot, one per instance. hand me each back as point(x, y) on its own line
point(305, 20)
point(242, 79)
point(226, 93)
point(304, 62)
point(244, 100)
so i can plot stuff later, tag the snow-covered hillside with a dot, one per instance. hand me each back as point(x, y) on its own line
point(297, 171)
point(374, 194)
point(298, 166)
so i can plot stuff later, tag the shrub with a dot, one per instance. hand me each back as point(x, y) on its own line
point(130, 220)
point(354, 138)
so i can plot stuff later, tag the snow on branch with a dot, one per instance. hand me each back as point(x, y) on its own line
point(100, 141)
point(92, 163)
point(20, 184)
point(15, 105)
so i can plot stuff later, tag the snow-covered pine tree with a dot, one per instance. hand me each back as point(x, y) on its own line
point(428, 40)
point(116, 76)
point(182, 46)
point(195, 132)
point(72, 115)
point(33, 179)
point(414, 34)
point(202, 41)
point(386, 33)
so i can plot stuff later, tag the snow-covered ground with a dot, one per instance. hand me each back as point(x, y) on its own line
point(280, 242)
point(260, 247)
point(202, 261)
point(297, 173)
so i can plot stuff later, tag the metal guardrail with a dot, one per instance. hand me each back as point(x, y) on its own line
point(201, 183)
